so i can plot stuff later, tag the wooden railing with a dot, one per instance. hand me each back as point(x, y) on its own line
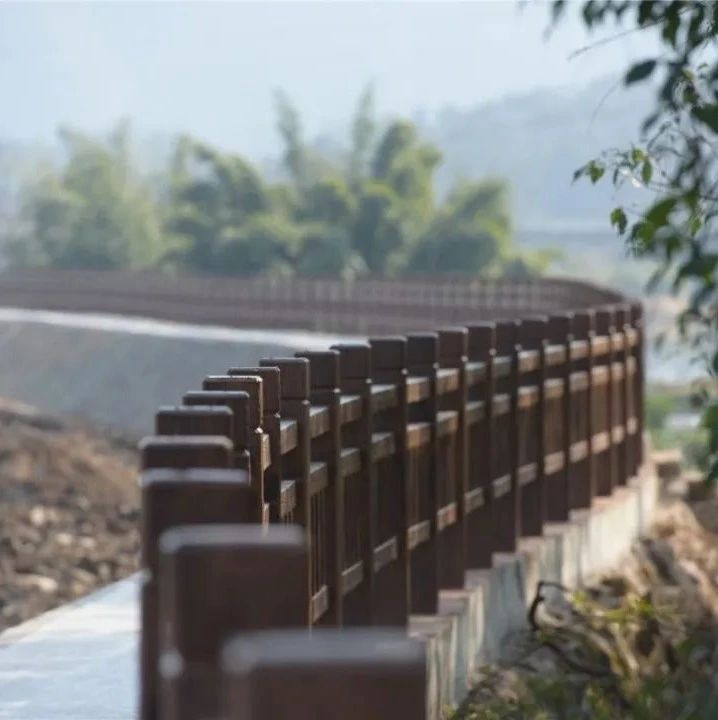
point(357, 307)
point(404, 460)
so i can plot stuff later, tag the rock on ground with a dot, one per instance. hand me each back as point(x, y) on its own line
point(69, 509)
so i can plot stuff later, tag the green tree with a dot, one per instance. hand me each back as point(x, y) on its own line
point(362, 136)
point(675, 158)
point(93, 212)
point(214, 195)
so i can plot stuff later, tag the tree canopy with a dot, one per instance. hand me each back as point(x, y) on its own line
point(675, 160)
point(372, 210)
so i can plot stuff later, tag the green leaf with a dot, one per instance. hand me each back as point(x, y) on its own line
point(658, 214)
point(708, 115)
point(637, 155)
point(619, 220)
point(595, 171)
point(647, 172)
point(640, 71)
point(710, 416)
point(696, 225)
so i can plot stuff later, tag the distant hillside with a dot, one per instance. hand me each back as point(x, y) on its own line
point(536, 141)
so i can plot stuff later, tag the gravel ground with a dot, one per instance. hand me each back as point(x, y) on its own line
point(69, 509)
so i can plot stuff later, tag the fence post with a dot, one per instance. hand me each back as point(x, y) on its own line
point(242, 408)
point(453, 354)
point(251, 578)
point(350, 674)
point(172, 497)
point(185, 451)
point(480, 523)
point(392, 582)
point(324, 373)
point(422, 361)
point(360, 498)
point(257, 441)
point(508, 510)
point(294, 402)
point(584, 487)
point(271, 424)
point(606, 457)
point(622, 368)
point(177, 452)
point(197, 420)
point(532, 334)
point(558, 487)
point(639, 380)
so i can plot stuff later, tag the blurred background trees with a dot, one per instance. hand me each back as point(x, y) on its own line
point(370, 210)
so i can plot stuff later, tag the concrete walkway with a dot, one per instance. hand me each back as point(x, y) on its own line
point(78, 662)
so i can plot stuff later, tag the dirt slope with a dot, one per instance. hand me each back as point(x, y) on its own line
point(68, 512)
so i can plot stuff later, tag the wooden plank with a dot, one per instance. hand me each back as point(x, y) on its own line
point(417, 389)
point(383, 396)
point(350, 408)
point(475, 373)
point(554, 462)
point(474, 499)
point(352, 577)
point(475, 411)
point(446, 516)
point(501, 486)
point(385, 553)
point(287, 497)
point(447, 380)
point(418, 534)
point(418, 434)
point(447, 422)
point(318, 420)
point(350, 461)
point(527, 474)
point(318, 477)
point(320, 603)
point(288, 435)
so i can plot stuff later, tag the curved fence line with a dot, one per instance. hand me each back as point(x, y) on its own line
point(357, 307)
point(405, 461)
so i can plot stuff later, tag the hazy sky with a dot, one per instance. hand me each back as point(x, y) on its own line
point(211, 68)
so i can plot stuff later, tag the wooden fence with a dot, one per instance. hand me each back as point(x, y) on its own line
point(357, 307)
point(405, 461)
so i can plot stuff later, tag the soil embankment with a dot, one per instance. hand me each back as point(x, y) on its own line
point(69, 508)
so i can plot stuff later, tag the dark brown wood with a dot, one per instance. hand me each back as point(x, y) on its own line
point(583, 489)
point(271, 424)
point(393, 567)
point(197, 420)
point(184, 451)
point(557, 432)
point(328, 503)
point(453, 457)
point(507, 509)
point(359, 674)
point(480, 522)
point(170, 498)
point(605, 457)
point(256, 439)
point(359, 520)
point(422, 363)
point(532, 336)
point(251, 579)
point(639, 383)
point(295, 406)
point(404, 461)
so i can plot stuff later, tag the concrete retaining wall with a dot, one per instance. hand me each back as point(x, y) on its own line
point(486, 621)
